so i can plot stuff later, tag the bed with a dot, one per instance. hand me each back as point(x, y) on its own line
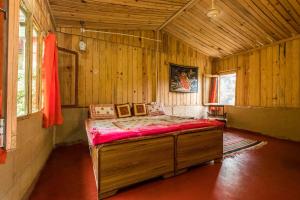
point(130, 150)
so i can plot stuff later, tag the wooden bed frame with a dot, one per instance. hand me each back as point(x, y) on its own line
point(125, 162)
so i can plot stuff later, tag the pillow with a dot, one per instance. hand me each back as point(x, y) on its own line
point(155, 109)
point(123, 110)
point(139, 109)
point(102, 111)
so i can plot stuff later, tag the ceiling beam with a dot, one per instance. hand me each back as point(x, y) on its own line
point(186, 6)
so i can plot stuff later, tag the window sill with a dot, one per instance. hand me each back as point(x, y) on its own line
point(31, 115)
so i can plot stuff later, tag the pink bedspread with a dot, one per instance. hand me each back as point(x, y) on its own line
point(104, 131)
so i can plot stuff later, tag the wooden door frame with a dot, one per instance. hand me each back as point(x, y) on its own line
point(76, 75)
point(3, 67)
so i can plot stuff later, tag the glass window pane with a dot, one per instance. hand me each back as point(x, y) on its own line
point(35, 64)
point(227, 89)
point(21, 94)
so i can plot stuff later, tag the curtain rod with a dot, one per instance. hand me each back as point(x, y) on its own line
point(114, 33)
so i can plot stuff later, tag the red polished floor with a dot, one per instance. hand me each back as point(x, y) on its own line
point(271, 172)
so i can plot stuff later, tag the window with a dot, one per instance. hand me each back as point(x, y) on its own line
point(29, 64)
point(227, 89)
point(219, 89)
point(22, 65)
point(35, 71)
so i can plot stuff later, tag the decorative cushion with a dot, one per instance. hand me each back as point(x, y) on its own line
point(155, 108)
point(123, 110)
point(103, 111)
point(139, 109)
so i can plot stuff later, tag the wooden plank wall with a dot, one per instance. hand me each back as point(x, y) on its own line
point(67, 76)
point(121, 69)
point(174, 51)
point(41, 14)
point(266, 77)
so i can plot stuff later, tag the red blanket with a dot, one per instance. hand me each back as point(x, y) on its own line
point(100, 131)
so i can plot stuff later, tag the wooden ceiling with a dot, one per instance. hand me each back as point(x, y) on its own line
point(114, 14)
point(241, 25)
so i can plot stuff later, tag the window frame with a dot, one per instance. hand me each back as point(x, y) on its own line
point(32, 24)
point(3, 68)
point(206, 93)
point(38, 68)
point(27, 57)
point(41, 89)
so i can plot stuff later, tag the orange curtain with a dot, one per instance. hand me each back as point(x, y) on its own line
point(213, 94)
point(213, 90)
point(52, 103)
point(2, 156)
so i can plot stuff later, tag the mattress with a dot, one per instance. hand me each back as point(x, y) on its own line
point(109, 130)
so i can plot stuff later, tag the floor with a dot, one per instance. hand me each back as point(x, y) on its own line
point(271, 172)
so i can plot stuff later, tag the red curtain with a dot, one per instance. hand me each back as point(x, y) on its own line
point(213, 90)
point(52, 103)
point(213, 96)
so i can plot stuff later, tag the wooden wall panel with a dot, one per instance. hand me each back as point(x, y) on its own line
point(174, 51)
point(254, 78)
point(120, 69)
point(295, 71)
point(266, 77)
point(276, 75)
point(240, 80)
point(67, 77)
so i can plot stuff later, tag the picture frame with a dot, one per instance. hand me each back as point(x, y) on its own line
point(183, 79)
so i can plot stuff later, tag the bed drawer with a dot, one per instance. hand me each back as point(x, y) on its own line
point(128, 163)
point(198, 147)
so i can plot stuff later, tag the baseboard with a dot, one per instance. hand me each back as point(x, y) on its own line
point(70, 143)
point(243, 130)
point(259, 133)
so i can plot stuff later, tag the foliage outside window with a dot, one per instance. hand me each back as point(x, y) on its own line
point(35, 71)
point(22, 65)
point(29, 63)
point(227, 89)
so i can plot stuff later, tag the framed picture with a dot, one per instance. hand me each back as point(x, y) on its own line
point(183, 78)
